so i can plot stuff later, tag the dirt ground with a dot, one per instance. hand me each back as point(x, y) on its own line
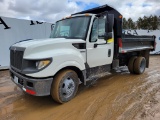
point(118, 96)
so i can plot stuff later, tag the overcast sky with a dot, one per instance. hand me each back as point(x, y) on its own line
point(52, 10)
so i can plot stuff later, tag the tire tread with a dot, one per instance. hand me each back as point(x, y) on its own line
point(56, 84)
point(131, 64)
point(137, 65)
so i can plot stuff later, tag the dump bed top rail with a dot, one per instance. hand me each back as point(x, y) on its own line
point(98, 10)
point(127, 38)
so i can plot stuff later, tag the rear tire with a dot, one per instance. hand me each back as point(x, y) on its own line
point(139, 65)
point(131, 64)
point(64, 86)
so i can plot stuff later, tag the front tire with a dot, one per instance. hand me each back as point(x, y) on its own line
point(64, 86)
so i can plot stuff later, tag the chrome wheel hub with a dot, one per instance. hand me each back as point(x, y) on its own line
point(68, 87)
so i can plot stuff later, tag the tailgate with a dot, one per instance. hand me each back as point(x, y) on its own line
point(130, 43)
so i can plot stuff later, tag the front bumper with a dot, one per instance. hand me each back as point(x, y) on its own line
point(33, 86)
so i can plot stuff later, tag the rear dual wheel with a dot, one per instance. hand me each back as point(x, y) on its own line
point(64, 86)
point(131, 64)
point(137, 65)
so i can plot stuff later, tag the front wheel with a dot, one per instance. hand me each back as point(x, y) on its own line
point(64, 86)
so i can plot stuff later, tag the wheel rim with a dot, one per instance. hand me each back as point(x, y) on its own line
point(142, 65)
point(68, 87)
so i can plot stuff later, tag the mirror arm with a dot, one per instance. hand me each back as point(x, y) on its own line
point(95, 45)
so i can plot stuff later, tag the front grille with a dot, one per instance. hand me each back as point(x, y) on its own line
point(16, 58)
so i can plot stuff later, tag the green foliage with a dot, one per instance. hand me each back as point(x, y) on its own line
point(151, 22)
point(131, 24)
point(125, 23)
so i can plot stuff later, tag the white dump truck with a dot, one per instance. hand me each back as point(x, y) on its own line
point(80, 48)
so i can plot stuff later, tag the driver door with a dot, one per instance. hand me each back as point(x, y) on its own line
point(99, 52)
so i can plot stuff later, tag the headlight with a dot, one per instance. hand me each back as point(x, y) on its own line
point(42, 63)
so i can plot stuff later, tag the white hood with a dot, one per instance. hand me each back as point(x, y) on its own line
point(48, 41)
point(45, 48)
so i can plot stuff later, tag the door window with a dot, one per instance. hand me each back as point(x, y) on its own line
point(101, 28)
point(98, 29)
point(94, 32)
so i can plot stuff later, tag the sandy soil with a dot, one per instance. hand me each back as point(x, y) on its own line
point(118, 96)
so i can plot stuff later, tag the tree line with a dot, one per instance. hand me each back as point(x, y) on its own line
point(150, 23)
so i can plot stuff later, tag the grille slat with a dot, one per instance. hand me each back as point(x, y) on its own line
point(16, 58)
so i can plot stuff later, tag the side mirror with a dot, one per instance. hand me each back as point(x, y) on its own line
point(110, 35)
point(110, 22)
point(109, 26)
point(104, 36)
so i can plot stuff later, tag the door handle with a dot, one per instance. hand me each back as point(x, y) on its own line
point(109, 53)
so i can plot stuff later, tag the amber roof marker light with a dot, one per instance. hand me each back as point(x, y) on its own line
point(120, 16)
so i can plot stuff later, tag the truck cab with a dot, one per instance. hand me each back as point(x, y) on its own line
point(81, 47)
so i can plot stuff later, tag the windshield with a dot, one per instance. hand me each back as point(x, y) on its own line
point(73, 28)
